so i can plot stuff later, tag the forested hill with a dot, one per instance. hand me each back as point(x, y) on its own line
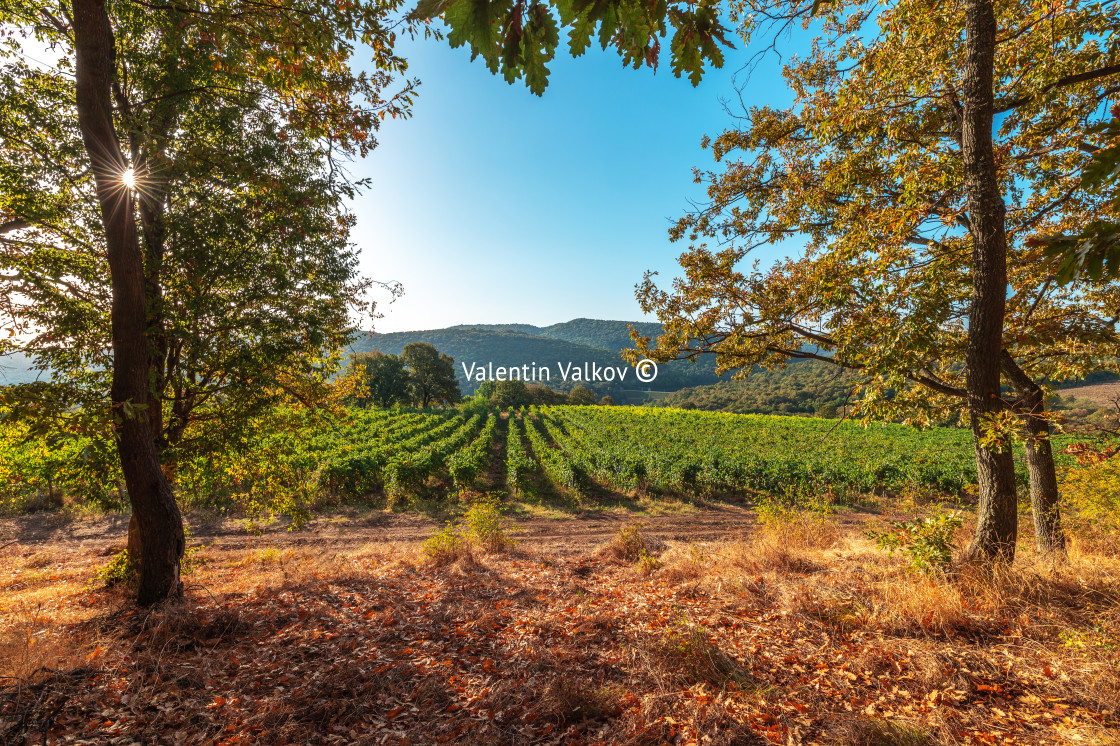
point(592, 341)
point(608, 335)
point(807, 387)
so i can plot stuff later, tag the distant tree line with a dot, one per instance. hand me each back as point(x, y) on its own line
point(806, 388)
point(506, 394)
point(422, 376)
point(816, 389)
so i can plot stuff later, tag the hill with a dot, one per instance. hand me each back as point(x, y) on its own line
point(805, 387)
point(609, 335)
point(594, 342)
point(602, 333)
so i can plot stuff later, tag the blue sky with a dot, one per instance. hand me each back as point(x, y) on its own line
point(492, 205)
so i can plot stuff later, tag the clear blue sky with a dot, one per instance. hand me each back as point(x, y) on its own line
point(492, 205)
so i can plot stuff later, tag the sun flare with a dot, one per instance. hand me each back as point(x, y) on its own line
point(128, 178)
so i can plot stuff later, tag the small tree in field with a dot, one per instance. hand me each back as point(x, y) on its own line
point(509, 394)
point(382, 379)
point(431, 375)
point(581, 395)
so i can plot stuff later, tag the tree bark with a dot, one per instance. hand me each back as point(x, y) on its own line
point(1045, 506)
point(153, 504)
point(997, 520)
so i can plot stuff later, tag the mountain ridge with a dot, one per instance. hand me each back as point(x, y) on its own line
point(579, 341)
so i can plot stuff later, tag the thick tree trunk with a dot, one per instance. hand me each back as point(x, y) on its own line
point(997, 516)
point(153, 505)
point(1045, 507)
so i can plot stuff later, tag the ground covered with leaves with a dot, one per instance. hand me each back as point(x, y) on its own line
point(800, 632)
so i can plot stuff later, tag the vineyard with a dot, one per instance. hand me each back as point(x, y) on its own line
point(583, 452)
point(579, 452)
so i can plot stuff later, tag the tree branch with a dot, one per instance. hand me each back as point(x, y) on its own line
point(1100, 72)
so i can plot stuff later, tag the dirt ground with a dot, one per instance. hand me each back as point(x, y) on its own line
point(704, 628)
point(1104, 394)
point(567, 536)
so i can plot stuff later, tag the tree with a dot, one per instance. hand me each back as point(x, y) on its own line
point(486, 389)
point(915, 230)
point(607, 401)
point(431, 376)
point(172, 212)
point(581, 395)
point(383, 379)
point(541, 394)
point(511, 394)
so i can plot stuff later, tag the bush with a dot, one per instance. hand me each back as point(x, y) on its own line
point(446, 546)
point(121, 572)
point(927, 541)
point(482, 526)
point(630, 544)
point(485, 526)
point(1093, 497)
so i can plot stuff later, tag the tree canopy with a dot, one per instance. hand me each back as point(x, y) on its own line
point(382, 379)
point(173, 237)
point(519, 39)
point(431, 375)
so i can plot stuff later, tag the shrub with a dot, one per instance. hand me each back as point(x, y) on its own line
point(121, 571)
point(647, 563)
point(927, 541)
point(446, 546)
point(1093, 494)
point(629, 543)
point(485, 526)
point(482, 526)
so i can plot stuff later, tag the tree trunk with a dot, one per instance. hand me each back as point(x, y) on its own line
point(153, 505)
point(997, 524)
point(1045, 507)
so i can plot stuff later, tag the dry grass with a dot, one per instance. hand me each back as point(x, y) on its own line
point(1091, 541)
point(766, 555)
point(800, 530)
point(31, 644)
point(687, 654)
point(1065, 616)
point(682, 563)
point(565, 700)
point(631, 544)
point(588, 647)
point(878, 732)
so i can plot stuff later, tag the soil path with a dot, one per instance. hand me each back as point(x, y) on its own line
point(576, 535)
